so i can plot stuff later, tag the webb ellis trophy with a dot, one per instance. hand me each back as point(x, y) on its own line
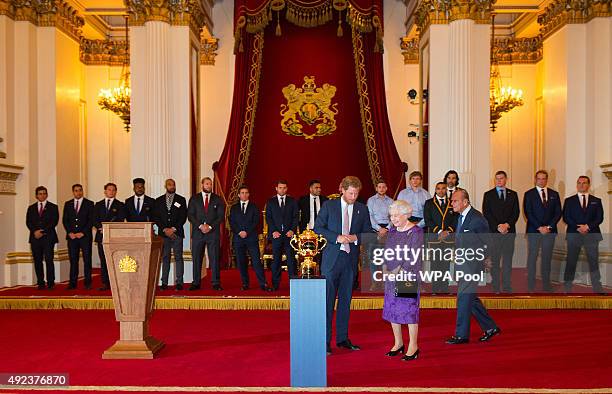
point(308, 244)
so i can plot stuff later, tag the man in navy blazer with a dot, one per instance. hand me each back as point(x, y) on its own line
point(78, 220)
point(542, 206)
point(108, 209)
point(342, 222)
point(41, 219)
point(282, 219)
point(244, 219)
point(139, 207)
point(583, 213)
point(472, 238)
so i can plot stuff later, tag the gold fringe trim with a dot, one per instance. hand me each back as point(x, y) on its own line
point(282, 303)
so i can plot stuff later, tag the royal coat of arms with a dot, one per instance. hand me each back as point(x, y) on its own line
point(312, 105)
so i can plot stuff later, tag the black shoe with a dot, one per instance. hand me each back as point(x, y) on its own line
point(87, 287)
point(507, 291)
point(244, 287)
point(163, 287)
point(194, 287)
point(548, 289)
point(393, 353)
point(217, 287)
point(41, 287)
point(51, 286)
point(329, 351)
point(348, 345)
point(104, 288)
point(275, 288)
point(265, 288)
point(413, 356)
point(490, 334)
point(71, 287)
point(457, 340)
point(179, 287)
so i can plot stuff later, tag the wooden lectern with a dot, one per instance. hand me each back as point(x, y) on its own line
point(133, 255)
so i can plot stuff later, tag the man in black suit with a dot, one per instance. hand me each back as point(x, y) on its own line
point(342, 222)
point(471, 240)
point(109, 209)
point(139, 207)
point(310, 205)
point(41, 219)
point(542, 207)
point(282, 219)
point(583, 213)
point(170, 213)
point(451, 178)
point(206, 212)
point(78, 220)
point(244, 218)
point(501, 209)
point(440, 223)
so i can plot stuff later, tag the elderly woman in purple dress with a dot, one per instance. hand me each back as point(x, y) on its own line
point(399, 310)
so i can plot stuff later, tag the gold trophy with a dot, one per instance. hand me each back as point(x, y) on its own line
point(308, 244)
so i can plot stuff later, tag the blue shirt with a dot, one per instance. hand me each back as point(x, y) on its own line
point(417, 200)
point(498, 189)
point(379, 210)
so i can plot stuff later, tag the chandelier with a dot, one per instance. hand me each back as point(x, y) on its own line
point(117, 100)
point(501, 99)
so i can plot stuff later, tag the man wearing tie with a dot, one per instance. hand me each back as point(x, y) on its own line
point(78, 220)
point(310, 205)
point(244, 218)
point(440, 223)
point(139, 207)
point(282, 220)
point(41, 219)
point(583, 213)
point(472, 239)
point(451, 178)
point(206, 211)
point(109, 209)
point(501, 209)
point(170, 212)
point(342, 222)
point(542, 206)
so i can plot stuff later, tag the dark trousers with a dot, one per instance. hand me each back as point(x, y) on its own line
point(176, 246)
point(42, 249)
point(469, 304)
point(439, 285)
point(502, 254)
point(281, 245)
point(339, 281)
point(535, 242)
point(105, 279)
point(211, 244)
point(591, 248)
point(75, 247)
point(241, 246)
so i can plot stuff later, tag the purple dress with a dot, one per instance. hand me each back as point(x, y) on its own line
point(402, 310)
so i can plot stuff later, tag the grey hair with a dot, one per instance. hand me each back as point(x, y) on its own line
point(400, 206)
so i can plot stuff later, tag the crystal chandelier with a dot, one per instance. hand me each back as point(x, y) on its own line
point(117, 100)
point(501, 99)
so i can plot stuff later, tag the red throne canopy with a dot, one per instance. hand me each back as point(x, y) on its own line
point(317, 46)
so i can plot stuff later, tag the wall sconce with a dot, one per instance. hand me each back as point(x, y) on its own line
point(413, 134)
point(413, 96)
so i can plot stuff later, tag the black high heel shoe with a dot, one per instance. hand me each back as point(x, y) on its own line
point(413, 356)
point(393, 353)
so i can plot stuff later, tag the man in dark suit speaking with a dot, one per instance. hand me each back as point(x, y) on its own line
point(471, 239)
point(583, 213)
point(341, 222)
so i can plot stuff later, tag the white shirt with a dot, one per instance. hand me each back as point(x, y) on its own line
point(463, 215)
point(108, 202)
point(44, 204)
point(136, 198)
point(204, 194)
point(580, 198)
point(440, 200)
point(343, 206)
point(540, 192)
point(312, 220)
point(278, 196)
point(78, 202)
point(244, 204)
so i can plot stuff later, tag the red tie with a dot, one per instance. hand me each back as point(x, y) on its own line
point(206, 203)
point(584, 205)
point(40, 208)
point(77, 207)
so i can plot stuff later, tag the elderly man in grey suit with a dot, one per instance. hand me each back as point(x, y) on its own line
point(206, 212)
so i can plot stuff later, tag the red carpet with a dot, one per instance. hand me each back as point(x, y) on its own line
point(230, 280)
point(537, 349)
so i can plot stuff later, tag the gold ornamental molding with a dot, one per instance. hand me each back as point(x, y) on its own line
point(518, 50)
point(8, 177)
point(26, 257)
point(208, 51)
point(192, 13)
point(441, 12)
point(562, 12)
point(103, 52)
point(410, 50)
point(45, 13)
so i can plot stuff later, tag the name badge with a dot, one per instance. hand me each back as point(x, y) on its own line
point(176, 204)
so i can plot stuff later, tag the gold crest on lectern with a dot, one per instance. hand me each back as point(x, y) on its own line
point(311, 105)
point(128, 264)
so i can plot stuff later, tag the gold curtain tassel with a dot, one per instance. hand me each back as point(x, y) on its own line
point(340, 31)
point(278, 28)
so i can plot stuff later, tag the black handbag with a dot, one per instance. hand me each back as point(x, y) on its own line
point(407, 288)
